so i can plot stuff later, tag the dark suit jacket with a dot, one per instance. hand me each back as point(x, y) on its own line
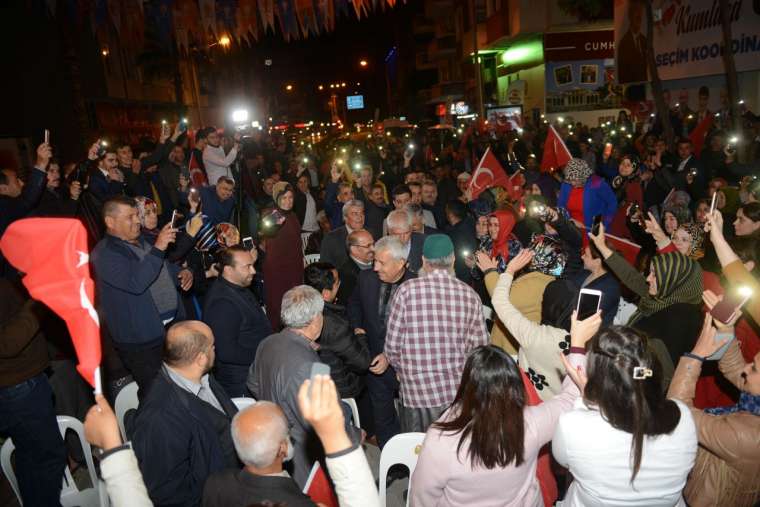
point(363, 308)
point(414, 261)
point(463, 237)
point(176, 442)
point(631, 65)
point(240, 488)
point(348, 271)
point(333, 248)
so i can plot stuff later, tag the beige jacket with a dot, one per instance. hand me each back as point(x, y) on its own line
point(526, 294)
point(727, 470)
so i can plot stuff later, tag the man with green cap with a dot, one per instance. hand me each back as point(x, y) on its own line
point(434, 322)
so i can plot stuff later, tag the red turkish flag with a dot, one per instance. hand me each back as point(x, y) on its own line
point(556, 153)
point(489, 173)
point(53, 254)
point(197, 176)
point(699, 133)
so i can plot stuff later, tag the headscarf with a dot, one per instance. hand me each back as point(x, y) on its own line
point(225, 230)
point(577, 169)
point(679, 280)
point(548, 256)
point(682, 214)
point(142, 203)
point(747, 403)
point(677, 199)
point(697, 234)
point(278, 190)
point(507, 222)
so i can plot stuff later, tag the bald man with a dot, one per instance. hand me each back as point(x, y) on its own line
point(262, 442)
point(361, 256)
point(182, 428)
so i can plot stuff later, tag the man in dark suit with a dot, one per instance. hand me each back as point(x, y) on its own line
point(461, 230)
point(368, 311)
point(360, 256)
point(632, 49)
point(333, 248)
point(399, 224)
point(262, 441)
point(236, 318)
point(182, 428)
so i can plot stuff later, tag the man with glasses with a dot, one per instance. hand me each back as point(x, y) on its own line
point(333, 248)
point(360, 247)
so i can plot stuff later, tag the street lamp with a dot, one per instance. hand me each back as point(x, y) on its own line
point(363, 63)
point(321, 87)
point(224, 41)
point(289, 87)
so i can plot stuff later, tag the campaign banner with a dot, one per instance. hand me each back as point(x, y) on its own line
point(582, 85)
point(688, 38)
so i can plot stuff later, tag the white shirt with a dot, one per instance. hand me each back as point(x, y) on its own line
point(599, 457)
point(217, 163)
point(683, 163)
point(310, 223)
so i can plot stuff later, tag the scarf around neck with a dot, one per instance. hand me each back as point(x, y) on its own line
point(747, 403)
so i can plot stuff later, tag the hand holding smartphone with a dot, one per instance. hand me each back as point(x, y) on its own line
point(589, 301)
point(317, 369)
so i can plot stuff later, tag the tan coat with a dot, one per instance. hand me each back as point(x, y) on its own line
point(727, 470)
point(526, 294)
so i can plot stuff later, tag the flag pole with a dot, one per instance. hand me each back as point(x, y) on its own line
point(98, 382)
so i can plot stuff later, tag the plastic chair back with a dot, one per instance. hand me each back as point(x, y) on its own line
point(310, 259)
point(126, 400)
point(243, 403)
point(7, 465)
point(402, 449)
point(354, 410)
point(71, 495)
point(304, 241)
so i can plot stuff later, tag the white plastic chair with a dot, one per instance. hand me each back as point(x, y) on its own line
point(354, 410)
point(402, 449)
point(71, 495)
point(310, 259)
point(487, 312)
point(243, 403)
point(126, 400)
point(304, 240)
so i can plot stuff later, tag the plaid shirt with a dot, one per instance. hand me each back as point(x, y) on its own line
point(434, 323)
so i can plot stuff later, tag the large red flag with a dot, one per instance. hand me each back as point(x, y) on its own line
point(197, 176)
point(489, 173)
point(53, 254)
point(699, 133)
point(556, 153)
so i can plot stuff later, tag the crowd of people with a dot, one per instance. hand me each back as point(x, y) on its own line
point(228, 263)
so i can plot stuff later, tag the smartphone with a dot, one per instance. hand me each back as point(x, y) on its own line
point(183, 125)
point(47, 136)
point(588, 303)
point(102, 148)
point(248, 243)
point(607, 149)
point(596, 224)
point(317, 369)
point(727, 308)
point(712, 204)
point(175, 214)
point(81, 176)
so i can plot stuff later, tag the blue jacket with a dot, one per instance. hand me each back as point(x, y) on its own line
point(217, 211)
point(333, 208)
point(598, 199)
point(15, 208)
point(123, 282)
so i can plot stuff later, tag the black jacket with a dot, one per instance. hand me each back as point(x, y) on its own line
point(363, 308)
point(348, 272)
point(239, 488)
point(176, 443)
point(239, 325)
point(414, 261)
point(347, 354)
point(462, 235)
point(333, 247)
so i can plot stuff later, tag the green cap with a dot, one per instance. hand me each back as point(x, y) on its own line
point(437, 246)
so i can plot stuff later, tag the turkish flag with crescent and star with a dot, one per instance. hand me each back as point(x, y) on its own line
point(53, 256)
point(556, 153)
point(489, 173)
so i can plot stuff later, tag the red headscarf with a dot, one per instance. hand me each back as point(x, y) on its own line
point(507, 222)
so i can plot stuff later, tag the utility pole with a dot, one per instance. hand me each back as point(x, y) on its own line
point(476, 58)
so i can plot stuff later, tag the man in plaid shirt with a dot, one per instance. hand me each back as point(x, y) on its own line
point(433, 324)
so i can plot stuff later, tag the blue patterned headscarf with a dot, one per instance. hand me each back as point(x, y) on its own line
point(747, 403)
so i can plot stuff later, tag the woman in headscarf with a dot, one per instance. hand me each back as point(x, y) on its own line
point(670, 299)
point(628, 191)
point(586, 195)
point(283, 260)
point(148, 215)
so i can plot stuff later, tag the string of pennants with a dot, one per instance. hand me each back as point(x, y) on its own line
point(184, 21)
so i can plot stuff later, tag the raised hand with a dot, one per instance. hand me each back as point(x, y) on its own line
point(521, 260)
point(582, 331)
point(485, 262)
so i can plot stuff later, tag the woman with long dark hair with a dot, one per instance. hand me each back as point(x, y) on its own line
point(484, 448)
point(625, 443)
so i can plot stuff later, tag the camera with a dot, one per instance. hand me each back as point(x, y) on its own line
point(102, 149)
